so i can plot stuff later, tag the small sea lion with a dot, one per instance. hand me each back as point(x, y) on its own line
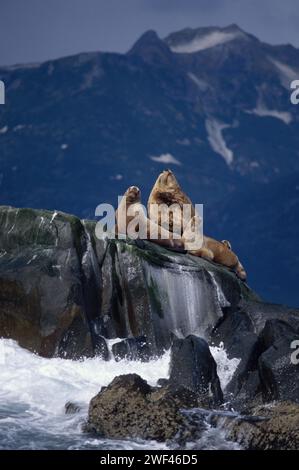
point(213, 250)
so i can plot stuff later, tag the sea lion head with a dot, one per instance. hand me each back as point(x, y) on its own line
point(167, 180)
point(227, 244)
point(133, 194)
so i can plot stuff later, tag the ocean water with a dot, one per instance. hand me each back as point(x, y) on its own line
point(34, 390)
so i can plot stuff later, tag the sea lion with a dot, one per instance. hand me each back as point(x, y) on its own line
point(131, 197)
point(213, 250)
point(130, 216)
point(167, 192)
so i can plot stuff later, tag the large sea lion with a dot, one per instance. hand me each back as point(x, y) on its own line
point(130, 216)
point(167, 190)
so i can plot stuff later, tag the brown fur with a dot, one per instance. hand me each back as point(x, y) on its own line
point(166, 190)
point(133, 198)
point(219, 252)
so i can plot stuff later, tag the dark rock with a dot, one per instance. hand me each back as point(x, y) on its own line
point(260, 312)
point(163, 382)
point(152, 292)
point(42, 304)
point(260, 335)
point(72, 408)
point(192, 366)
point(132, 349)
point(62, 291)
point(277, 329)
point(130, 408)
point(240, 341)
point(279, 430)
point(101, 349)
point(249, 391)
point(279, 375)
point(268, 369)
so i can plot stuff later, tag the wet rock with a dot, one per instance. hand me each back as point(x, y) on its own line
point(193, 367)
point(250, 391)
point(260, 335)
point(101, 348)
point(150, 291)
point(42, 304)
point(260, 312)
point(277, 429)
point(130, 408)
point(163, 382)
point(132, 349)
point(240, 341)
point(279, 374)
point(72, 408)
point(62, 291)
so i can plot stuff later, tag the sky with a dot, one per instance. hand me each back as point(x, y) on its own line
point(38, 30)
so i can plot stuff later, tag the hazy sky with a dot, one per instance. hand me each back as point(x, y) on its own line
point(37, 30)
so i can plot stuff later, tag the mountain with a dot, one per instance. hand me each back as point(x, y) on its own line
point(213, 104)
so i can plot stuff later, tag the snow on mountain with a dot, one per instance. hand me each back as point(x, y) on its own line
point(202, 85)
point(199, 43)
point(166, 158)
point(3, 130)
point(215, 137)
point(263, 111)
point(287, 73)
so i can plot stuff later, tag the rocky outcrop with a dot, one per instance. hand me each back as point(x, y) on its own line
point(276, 427)
point(261, 335)
point(193, 367)
point(130, 408)
point(42, 301)
point(62, 291)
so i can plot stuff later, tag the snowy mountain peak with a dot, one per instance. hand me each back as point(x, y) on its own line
point(190, 40)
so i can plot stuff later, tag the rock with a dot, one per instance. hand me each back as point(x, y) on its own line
point(279, 375)
point(153, 292)
point(163, 382)
point(72, 408)
point(132, 349)
point(260, 335)
point(278, 431)
point(42, 303)
point(62, 290)
point(101, 348)
point(277, 329)
point(240, 341)
point(268, 374)
point(250, 391)
point(183, 397)
point(130, 408)
point(193, 367)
